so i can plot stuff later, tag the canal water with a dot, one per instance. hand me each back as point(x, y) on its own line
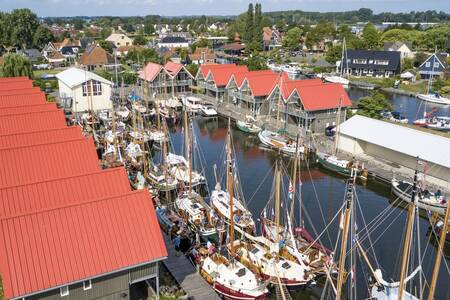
point(322, 197)
point(411, 107)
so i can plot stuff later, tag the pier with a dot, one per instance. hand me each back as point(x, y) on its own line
point(186, 275)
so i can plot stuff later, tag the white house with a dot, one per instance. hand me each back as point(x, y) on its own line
point(172, 42)
point(405, 48)
point(82, 90)
point(119, 39)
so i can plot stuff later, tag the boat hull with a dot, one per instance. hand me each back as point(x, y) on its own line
point(242, 126)
point(332, 167)
point(233, 294)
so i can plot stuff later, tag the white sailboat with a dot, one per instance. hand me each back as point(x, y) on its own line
point(433, 97)
point(340, 77)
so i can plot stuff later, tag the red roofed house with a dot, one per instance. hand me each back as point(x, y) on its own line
point(22, 100)
point(214, 78)
point(14, 85)
point(168, 80)
point(309, 103)
point(27, 109)
point(31, 122)
point(40, 137)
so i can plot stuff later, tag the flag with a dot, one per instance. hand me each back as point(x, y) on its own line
point(353, 276)
point(290, 191)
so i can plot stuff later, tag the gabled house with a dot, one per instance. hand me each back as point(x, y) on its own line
point(372, 63)
point(49, 48)
point(32, 55)
point(97, 57)
point(435, 65)
point(214, 78)
point(310, 103)
point(122, 51)
point(170, 79)
point(82, 90)
point(271, 38)
point(119, 39)
point(405, 48)
point(203, 55)
point(56, 59)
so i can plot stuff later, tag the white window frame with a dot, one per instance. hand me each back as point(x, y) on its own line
point(427, 64)
point(87, 285)
point(360, 61)
point(64, 291)
point(436, 65)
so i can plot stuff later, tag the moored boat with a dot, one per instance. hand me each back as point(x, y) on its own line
point(280, 142)
point(249, 125)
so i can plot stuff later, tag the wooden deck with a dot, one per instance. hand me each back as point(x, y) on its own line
point(186, 275)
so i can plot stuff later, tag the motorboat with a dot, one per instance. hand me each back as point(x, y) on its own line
point(280, 142)
point(193, 104)
point(439, 123)
point(292, 69)
point(434, 98)
point(341, 166)
point(248, 125)
point(179, 168)
point(161, 180)
point(123, 113)
point(242, 216)
point(398, 118)
point(208, 110)
point(424, 199)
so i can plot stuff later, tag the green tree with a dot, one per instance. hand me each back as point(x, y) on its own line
point(22, 25)
point(257, 27)
point(108, 46)
point(105, 32)
point(371, 37)
point(248, 30)
point(16, 65)
point(371, 106)
point(334, 54)
point(139, 40)
point(143, 56)
point(149, 27)
point(192, 68)
point(256, 62)
point(419, 58)
point(78, 23)
point(42, 36)
point(201, 43)
point(4, 30)
point(292, 38)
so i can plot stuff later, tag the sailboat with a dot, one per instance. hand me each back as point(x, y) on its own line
point(220, 200)
point(248, 125)
point(433, 97)
point(229, 277)
point(191, 205)
point(340, 78)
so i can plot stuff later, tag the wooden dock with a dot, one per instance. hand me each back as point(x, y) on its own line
point(186, 275)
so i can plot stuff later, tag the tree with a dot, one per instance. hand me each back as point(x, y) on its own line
point(78, 23)
point(16, 65)
point(149, 27)
point(192, 68)
point(22, 24)
point(419, 58)
point(4, 30)
point(105, 32)
point(143, 56)
point(42, 36)
point(201, 43)
point(371, 37)
point(257, 27)
point(256, 62)
point(334, 54)
point(371, 106)
point(292, 38)
point(248, 30)
point(108, 46)
point(139, 40)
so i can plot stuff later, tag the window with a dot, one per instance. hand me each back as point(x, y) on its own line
point(92, 88)
point(365, 71)
point(64, 291)
point(381, 62)
point(428, 64)
point(370, 61)
point(359, 61)
point(87, 285)
point(436, 65)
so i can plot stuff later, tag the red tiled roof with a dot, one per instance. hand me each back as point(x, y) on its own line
point(22, 100)
point(205, 68)
point(290, 85)
point(234, 47)
point(40, 137)
point(54, 247)
point(24, 165)
point(14, 85)
point(14, 79)
point(21, 91)
point(150, 71)
point(27, 109)
point(173, 68)
point(62, 191)
point(15, 124)
point(262, 84)
point(325, 96)
point(221, 76)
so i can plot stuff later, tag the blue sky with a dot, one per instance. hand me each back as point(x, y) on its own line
point(209, 7)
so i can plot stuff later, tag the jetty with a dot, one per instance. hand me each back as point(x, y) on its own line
point(186, 275)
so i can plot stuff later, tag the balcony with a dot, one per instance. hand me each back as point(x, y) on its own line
point(208, 86)
point(296, 111)
point(240, 96)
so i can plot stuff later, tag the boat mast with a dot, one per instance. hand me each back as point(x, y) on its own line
point(437, 261)
point(407, 244)
point(279, 100)
point(165, 164)
point(348, 209)
point(342, 58)
point(294, 180)
point(277, 199)
point(188, 148)
point(230, 189)
point(338, 121)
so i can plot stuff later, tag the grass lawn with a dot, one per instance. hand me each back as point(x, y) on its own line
point(39, 73)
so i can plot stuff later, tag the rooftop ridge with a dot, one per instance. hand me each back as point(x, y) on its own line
point(37, 112)
point(45, 130)
point(83, 138)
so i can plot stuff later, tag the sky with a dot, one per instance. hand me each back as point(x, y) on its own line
point(46, 8)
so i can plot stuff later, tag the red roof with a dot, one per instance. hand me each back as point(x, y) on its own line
point(40, 137)
point(325, 96)
point(150, 71)
point(14, 79)
point(262, 83)
point(20, 91)
point(50, 248)
point(173, 68)
point(239, 77)
point(13, 85)
point(221, 76)
point(290, 85)
point(205, 68)
point(62, 191)
point(27, 109)
point(22, 100)
point(14, 124)
point(24, 165)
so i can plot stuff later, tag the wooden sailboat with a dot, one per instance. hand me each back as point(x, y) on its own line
point(219, 200)
point(248, 125)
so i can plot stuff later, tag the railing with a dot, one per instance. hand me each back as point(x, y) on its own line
point(244, 97)
point(295, 111)
point(208, 86)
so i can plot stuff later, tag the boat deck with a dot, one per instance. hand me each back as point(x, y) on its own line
point(186, 275)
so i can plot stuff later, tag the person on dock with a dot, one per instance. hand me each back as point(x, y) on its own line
point(174, 231)
point(177, 242)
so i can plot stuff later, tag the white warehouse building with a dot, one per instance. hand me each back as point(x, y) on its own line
point(81, 90)
point(397, 144)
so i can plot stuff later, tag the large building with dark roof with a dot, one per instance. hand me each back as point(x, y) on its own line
point(372, 63)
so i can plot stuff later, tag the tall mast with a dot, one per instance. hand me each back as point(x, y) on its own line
point(165, 164)
point(407, 244)
point(437, 261)
point(338, 121)
point(277, 204)
point(230, 189)
point(188, 148)
point(342, 58)
point(293, 183)
point(348, 209)
point(279, 100)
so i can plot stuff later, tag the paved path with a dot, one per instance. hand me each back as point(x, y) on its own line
point(186, 275)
